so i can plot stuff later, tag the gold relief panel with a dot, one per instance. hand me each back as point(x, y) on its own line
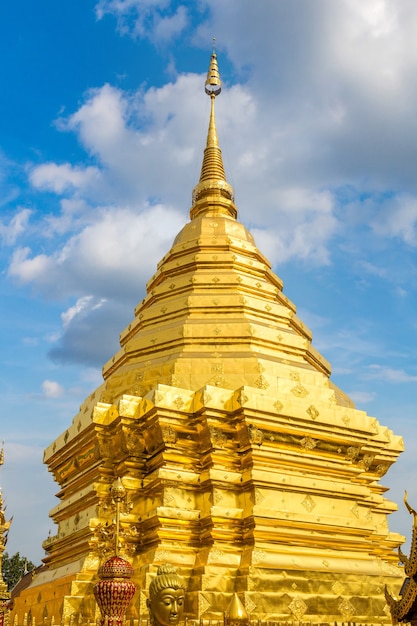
point(346, 608)
point(382, 469)
point(366, 461)
point(313, 412)
point(278, 406)
point(309, 504)
point(250, 606)
point(355, 510)
point(299, 391)
point(215, 555)
point(218, 438)
point(346, 420)
point(132, 441)
point(84, 458)
point(352, 453)
point(261, 383)
point(169, 499)
point(259, 497)
point(338, 588)
point(256, 436)
point(298, 607)
point(143, 607)
point(162, 556)
point(203, 604)
point(169, 435)
point(152, 437)
point(258, 556)
point(308, 443)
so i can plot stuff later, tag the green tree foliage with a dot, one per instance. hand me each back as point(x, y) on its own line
point(14, 567)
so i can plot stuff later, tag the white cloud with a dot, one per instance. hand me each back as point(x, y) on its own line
point(390, 375)
point(120, 250)
point(153, 19)
point(17, 225)
point(28, 269)
point(52, 389)
point(80, 309)
point(362, 397)
point(62, 178)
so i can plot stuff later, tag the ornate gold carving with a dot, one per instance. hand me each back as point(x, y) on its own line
point(217, 496)
point(169, 435)
point(169, 499)
point(255, 435)
point(218, 438)
point(355, 510)
point(382, 469)
point(298, 607)
point(258, 556)
point(161, 556)
point(215, 555)
point(259, 498)
point(179, 402)
point(203, 604)
point(308, 443)
point(367, 461)
point(352, 453)
point(278, 406)
point(250, 606)
point(338, 588)
point(132, 441)
point(308, 503)
point(313, 412)
point(346, 608)
point(261, 383)
point(299, 391)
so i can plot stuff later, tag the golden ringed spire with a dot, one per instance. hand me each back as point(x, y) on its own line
point(213, 194)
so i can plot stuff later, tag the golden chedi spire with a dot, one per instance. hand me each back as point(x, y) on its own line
point(244, 465)
point(213, 195)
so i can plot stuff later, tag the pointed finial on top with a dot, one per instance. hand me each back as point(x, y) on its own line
point(213, 194)
point(213, 85)
point(236, 614)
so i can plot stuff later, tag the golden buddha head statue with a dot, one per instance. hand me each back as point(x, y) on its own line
point(166, 597)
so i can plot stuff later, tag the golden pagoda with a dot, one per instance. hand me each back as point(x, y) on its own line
point(240, 462)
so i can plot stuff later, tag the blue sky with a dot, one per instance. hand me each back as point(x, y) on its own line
point(102, 128)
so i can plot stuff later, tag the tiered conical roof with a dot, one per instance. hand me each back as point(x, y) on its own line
point(214, 302)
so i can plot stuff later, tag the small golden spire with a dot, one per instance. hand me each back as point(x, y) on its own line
point(236, 614)
point(213, 194)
